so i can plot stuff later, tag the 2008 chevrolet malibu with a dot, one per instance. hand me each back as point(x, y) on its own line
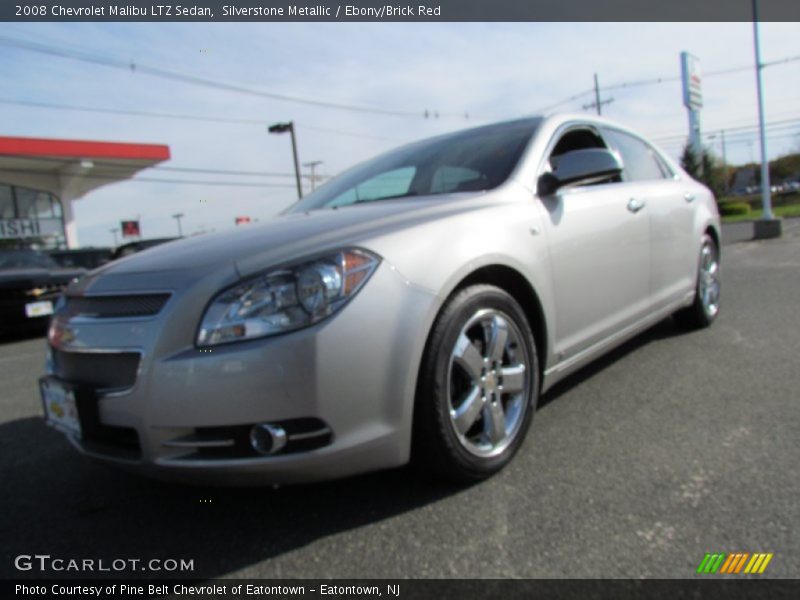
point(413, 307)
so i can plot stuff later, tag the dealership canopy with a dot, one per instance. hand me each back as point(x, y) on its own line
point(69, 169)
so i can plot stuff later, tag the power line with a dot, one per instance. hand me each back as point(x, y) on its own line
point(135, 67)
point(572, 98)
point(159, 180)
point(659, 80)
point(733, 130)
point(728, 71)
point(170, 115)
point(134, 113)
point(113, 166)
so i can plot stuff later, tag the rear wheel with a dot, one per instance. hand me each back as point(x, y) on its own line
point(705, 307)
point(478, 386)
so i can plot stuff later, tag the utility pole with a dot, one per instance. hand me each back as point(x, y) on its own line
point(724, 155)
point(597, 102)
point(114, 233)
point(178, 217)
point(313, 165)
point(724, 161)
point(768, 226)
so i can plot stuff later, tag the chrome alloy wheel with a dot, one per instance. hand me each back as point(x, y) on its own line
point(489, 383)
point(709, 281)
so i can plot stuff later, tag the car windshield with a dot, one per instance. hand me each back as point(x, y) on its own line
point(466, 161)
point(25, 259)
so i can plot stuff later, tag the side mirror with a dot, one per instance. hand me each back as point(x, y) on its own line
point(579, 166)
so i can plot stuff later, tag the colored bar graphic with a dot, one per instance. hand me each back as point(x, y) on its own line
point(711, 563)
point(733, 563)
point(740, 564)
point(727, 564)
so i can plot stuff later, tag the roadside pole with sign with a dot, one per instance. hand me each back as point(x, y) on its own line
point(692, 98)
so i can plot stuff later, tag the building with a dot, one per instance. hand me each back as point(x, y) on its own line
point(40, 179)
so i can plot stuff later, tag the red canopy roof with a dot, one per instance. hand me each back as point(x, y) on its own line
point(20, 146)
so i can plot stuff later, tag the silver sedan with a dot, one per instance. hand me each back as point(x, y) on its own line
point(414, 307)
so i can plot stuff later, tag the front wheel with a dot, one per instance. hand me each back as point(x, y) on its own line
point(478, 386)
point(705, 307)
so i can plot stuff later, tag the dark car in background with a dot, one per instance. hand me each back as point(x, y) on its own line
point(139, 245)
point(30, 284)
point(85, 258)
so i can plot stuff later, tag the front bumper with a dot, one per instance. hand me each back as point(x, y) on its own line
point(343, 389)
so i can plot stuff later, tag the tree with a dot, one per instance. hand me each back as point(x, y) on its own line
point(705, 169)
point(713, 175)
point(690, 162)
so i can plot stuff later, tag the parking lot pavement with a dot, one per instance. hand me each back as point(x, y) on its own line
point(675, 445)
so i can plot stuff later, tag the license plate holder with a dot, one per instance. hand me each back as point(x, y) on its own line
point(60, 402)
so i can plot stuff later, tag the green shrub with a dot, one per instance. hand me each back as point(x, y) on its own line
point(729, 209)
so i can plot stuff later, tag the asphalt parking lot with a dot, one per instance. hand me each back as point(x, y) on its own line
point(675, 445)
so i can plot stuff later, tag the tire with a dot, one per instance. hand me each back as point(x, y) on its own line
point(478, 386)
point(705, 306)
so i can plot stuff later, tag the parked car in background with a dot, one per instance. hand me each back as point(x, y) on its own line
point(414, 306)
point(30, 284)
point(84, 258)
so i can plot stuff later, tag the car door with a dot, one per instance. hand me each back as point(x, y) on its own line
point(599, 240)
point(670, 208)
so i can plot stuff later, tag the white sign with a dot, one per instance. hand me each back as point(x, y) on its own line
point(692, 81)
point(27, 228)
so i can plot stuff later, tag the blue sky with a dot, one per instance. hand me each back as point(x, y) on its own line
point(490, 71)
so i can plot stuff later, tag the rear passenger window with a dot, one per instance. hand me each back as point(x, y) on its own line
point(639, 160)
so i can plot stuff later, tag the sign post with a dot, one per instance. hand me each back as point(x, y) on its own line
point(692, 98)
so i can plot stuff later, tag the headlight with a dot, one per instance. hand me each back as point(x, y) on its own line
point(286, 299)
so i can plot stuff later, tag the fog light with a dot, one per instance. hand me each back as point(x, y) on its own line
point(267, 439)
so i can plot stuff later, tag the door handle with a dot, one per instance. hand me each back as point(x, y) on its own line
point(689, 197)
point(635, 205)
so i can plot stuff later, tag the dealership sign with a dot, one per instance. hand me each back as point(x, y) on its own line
point(130, 229)
point(29, 228)
point(692, 81)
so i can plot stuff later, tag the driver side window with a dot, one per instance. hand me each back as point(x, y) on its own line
point(578, 139)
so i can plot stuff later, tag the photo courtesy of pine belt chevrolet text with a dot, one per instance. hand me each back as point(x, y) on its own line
point(414, 308)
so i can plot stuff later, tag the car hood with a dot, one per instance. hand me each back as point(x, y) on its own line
point(287, 237)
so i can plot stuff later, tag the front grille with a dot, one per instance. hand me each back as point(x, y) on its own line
point(112, 370)
point(103, 307)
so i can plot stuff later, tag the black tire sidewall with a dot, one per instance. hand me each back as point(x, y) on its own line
point(707, 318)
point(442, 446)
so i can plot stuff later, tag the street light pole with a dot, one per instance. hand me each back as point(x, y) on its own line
point(178, 217)
point(283, 128)
point(313, 165)
point(768, 226)
point(114, 233)
point(725, 161)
